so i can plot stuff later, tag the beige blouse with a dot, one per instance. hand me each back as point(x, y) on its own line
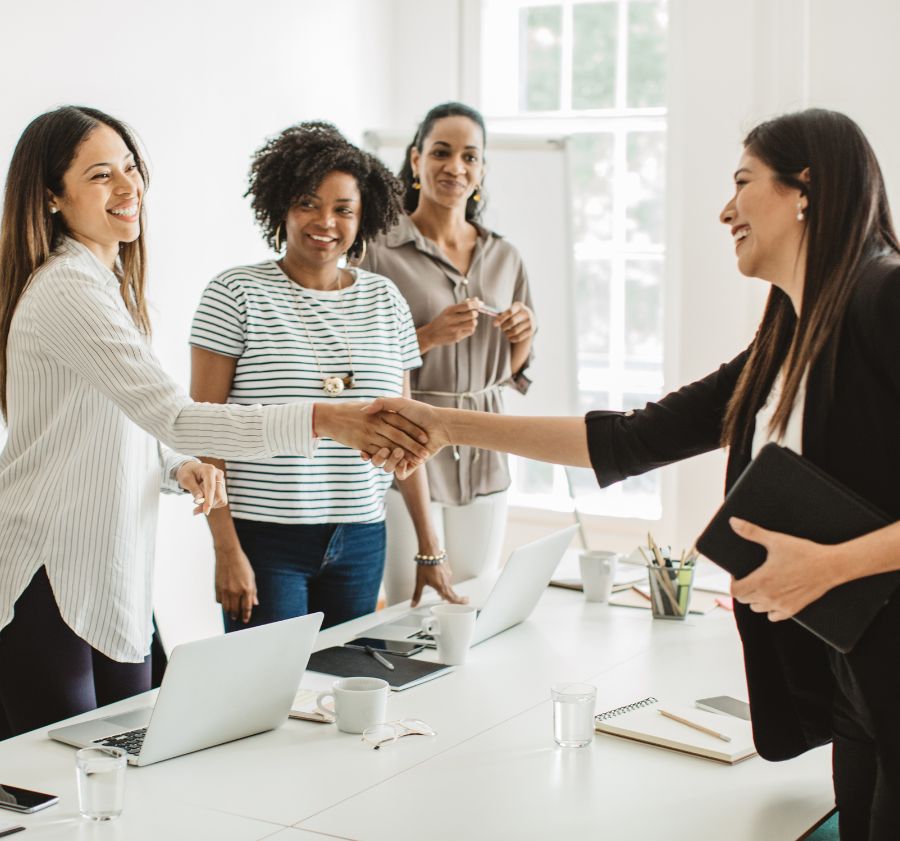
point(471, 373)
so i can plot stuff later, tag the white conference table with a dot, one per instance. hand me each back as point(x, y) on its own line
point(493, 771)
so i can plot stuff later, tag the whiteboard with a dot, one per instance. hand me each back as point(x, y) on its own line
point(528, 203)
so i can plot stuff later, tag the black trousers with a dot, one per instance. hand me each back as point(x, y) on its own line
point(868, 809)
point(47, 672)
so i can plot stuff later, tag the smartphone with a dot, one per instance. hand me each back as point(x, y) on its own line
point(725, 705)
point(398, 648)
point(23, 799)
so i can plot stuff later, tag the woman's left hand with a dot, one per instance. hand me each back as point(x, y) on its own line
point(437, 576)
point(517, 323)
point(205, 482)
point(795, 573)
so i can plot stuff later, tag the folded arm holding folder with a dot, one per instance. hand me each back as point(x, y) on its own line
point(781, 500)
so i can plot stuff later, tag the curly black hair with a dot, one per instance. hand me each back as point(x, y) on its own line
point(293, 165)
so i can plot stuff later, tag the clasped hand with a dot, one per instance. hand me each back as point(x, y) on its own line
point(402, 414)
point(796, 572)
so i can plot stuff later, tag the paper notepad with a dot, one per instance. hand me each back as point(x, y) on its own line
point(643, 722)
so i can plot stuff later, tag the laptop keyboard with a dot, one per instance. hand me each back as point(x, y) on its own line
point(129, 742)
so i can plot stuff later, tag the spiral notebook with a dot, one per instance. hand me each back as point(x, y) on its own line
point(643, 722)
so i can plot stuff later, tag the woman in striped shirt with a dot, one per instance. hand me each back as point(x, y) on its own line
point(95, 426)
point(303, 534)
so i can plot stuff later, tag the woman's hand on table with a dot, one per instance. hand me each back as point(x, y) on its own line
point(436, 576)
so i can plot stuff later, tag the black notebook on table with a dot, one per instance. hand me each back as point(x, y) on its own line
point(781, 491)
point(347, 661)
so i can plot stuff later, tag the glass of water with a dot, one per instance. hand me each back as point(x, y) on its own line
point(100, 773)
point(573, 714)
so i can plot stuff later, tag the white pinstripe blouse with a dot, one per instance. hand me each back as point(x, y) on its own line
point(94, 431)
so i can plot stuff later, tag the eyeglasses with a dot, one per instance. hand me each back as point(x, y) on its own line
point(390, 731)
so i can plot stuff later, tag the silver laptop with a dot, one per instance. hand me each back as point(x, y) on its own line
point(214, 691)
point(514, 594)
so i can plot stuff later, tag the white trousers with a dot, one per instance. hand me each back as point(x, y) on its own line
point(472, 535)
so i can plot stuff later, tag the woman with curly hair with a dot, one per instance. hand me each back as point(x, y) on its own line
point(468, 292)
point(303, 534)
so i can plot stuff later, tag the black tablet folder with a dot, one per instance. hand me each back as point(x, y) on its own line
point(347, 661)
point(782, 491)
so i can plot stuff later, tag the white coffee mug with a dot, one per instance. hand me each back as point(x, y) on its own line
point(359, 702)
point(598, 572)
point(452, 626)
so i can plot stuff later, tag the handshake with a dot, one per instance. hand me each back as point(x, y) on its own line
point(394, 433)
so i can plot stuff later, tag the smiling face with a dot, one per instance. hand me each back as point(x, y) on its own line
point(451, 164)
point(769, 240)
point(321, 227)
point(102, 194)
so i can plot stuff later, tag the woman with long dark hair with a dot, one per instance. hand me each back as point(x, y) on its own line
point(468, 292)
point(95, 426)
point(809, 215)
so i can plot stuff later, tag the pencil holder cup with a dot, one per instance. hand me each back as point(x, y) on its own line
point(670, 590)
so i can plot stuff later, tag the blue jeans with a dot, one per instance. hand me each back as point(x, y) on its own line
point(302, 569)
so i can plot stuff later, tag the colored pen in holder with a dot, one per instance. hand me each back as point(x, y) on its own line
point(670, 582)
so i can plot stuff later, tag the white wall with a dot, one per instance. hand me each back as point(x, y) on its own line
point(203, 83)
point(734, 64)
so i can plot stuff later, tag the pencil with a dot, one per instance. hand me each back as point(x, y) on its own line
point(696, 726)
point(663, 578)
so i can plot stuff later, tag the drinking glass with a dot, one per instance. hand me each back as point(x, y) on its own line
point(573, 714)
point(100, 774)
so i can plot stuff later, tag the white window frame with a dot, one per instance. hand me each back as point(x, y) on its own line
point(491, 29)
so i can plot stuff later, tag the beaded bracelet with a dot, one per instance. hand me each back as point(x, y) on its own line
point(431, 560)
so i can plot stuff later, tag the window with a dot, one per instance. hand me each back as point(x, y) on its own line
point(595, 72)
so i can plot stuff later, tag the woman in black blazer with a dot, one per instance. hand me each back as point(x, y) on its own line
point(822, 376)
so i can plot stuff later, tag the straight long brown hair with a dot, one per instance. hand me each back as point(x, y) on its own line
point(848, 222)
point(29, 233)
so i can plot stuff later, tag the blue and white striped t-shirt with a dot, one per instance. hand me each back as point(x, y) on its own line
point(256, 314)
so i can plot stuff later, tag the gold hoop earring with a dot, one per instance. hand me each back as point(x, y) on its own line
point(278, 236)
point(476, 196)
point(362, 256)
point(416, 184)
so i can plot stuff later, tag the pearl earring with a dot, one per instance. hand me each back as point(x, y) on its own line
point(800, 216)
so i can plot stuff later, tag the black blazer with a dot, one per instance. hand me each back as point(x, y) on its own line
point(854, 435)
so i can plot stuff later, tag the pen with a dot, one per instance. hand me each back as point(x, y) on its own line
point(696, 726)
point(383, 660)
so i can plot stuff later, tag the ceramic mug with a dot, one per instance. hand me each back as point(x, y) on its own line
point(598, 572)
point(359, 702)
point(452, 626)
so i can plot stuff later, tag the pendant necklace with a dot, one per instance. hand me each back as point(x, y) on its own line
point(332, 385)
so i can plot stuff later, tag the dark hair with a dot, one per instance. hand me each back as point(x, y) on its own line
point(293, 165)
point(474, 209)
point(848, 221)
point(29, 232)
